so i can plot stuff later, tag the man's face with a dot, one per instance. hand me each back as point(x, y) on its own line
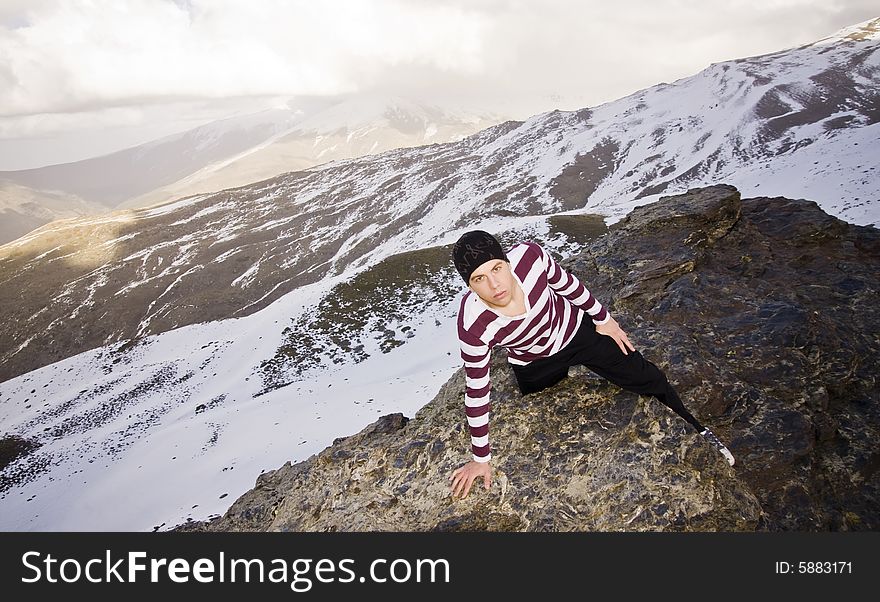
point(494, 283)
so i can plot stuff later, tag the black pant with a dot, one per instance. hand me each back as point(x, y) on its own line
point(600, 353)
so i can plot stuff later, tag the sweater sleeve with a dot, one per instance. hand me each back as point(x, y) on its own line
point(566, 284)
point(476, 356)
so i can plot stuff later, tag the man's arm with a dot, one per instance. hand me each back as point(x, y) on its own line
point(476, 356)
point(566, 284)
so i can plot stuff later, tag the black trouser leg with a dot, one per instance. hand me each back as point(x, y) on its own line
point(632, 372)
point(600, 353)
point(539, 374)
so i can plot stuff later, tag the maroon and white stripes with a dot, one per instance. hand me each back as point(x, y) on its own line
point(555, 304)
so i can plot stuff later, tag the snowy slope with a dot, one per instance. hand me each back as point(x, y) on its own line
point(793, 122)
point(147, 351)
point(180, 425)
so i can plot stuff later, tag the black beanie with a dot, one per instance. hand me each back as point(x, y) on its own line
point(473, 249)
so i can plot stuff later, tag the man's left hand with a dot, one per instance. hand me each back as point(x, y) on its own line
point(612, 329)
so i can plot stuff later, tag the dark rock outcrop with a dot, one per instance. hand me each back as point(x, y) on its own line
point(763, 314)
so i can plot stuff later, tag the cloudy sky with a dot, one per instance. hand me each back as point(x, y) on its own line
point(84, 77)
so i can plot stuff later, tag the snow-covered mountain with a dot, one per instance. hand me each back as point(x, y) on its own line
point(358, 126)
point(229, 153)
point(114, 178)
point(97, 185)
point(162, 357)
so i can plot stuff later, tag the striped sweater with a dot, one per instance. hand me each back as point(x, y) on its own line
point(555, 304)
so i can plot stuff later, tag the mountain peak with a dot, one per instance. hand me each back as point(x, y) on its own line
point(866, 30)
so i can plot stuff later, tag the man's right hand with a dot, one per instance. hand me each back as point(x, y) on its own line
point(464, 477)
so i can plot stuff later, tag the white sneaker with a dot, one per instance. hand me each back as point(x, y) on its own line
point(716, 443)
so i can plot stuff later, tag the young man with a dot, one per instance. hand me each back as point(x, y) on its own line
point(524, 301)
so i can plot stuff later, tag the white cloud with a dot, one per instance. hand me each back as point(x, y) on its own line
point(77, 55)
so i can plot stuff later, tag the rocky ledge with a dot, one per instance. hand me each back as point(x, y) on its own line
point(762, 312)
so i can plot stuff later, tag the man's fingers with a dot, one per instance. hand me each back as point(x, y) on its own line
point(467, 489)
point(619, 337)
point(456, 485)
point(465, 477)
point(461, 485)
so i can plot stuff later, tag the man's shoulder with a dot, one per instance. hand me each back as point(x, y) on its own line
point(524, 245)
point(518, 250)
point(471, 322)
point(465, 303)
point(527, 251)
